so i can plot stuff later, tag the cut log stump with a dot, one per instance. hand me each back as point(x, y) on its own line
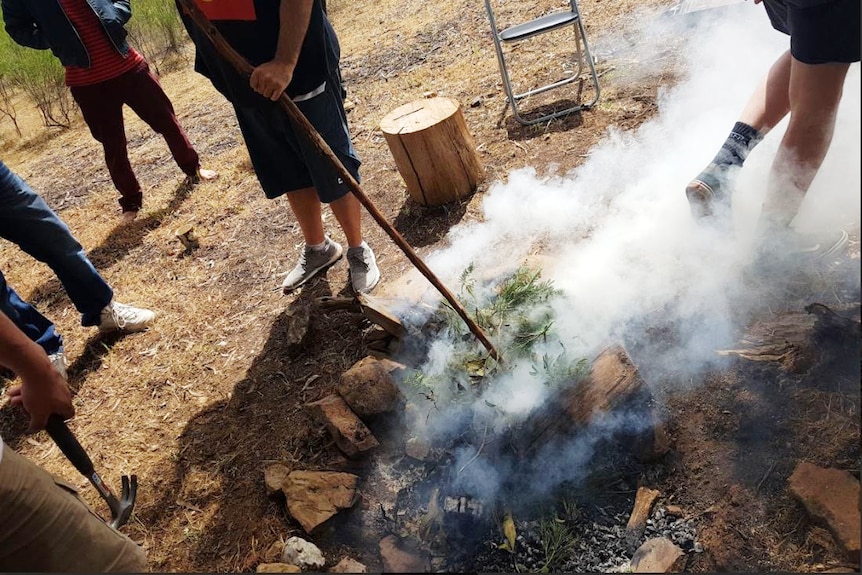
point(433, 150)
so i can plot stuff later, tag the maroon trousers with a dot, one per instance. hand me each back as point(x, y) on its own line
point(102, 107)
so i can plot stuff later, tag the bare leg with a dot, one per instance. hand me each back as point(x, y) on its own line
point(770, 102)
point(347, 210)
point(709, 193)
point(307, 209)
point(815, 92)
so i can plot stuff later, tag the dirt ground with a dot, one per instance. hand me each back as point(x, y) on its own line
point(198, 405)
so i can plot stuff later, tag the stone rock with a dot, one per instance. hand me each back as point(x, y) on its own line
point(658, 555)
point(675, 511)
point(303, 554)
point(349, 565)
point(298, 318)
point(273, 476)
point(315, 496)
point(398, 557)
point(395, 368)
point(417, 448)
point(832, 497)
point(278, 568)
point(350, 434)
point(640, 513)
point(369, 388)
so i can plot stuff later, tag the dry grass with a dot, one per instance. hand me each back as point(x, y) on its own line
point(200, 403)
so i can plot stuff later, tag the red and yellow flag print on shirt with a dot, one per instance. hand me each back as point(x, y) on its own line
point(227, 9)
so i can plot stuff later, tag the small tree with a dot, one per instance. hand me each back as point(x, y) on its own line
point(7, 107)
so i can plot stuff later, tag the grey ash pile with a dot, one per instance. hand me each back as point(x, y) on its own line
point(592, 542)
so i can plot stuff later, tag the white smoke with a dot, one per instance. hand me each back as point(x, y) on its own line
point(619, 231)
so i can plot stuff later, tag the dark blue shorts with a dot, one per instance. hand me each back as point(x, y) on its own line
point(820, 32)
point(285, 162)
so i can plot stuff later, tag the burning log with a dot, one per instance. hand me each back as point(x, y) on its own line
point(372, 308)
point(464, 506)
point(798, 341)
point(638, 521)
point(613, 383)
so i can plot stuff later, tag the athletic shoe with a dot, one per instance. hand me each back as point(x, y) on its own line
point(364, 273)
point(58, 360)
point(312, 262)
point(201, 174)
point(125, 318)
point(787, 251)
point(822, 246)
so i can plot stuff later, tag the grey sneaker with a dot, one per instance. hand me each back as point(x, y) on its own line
point(58, 360)
point(364, 273)
point(822, 246)
point(121, 317)
point(783, 251)
point(311, 263)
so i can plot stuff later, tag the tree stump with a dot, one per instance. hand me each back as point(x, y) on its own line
point(433, 150)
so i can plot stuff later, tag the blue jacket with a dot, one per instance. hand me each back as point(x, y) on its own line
point(42, 24)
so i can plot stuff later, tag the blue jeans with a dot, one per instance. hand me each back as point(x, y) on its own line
point(28, 319)
point(27, 221)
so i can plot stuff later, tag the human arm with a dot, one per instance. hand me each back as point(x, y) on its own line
point(271, 78)
point(21, 25)
point(43, 391)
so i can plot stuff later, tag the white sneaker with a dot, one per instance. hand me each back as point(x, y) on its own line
point(364, 273)
point(58, 360)
point(121, 317)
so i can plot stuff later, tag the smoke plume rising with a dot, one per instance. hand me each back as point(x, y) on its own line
point(624, 248)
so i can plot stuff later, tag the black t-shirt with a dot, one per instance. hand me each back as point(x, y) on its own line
point(256, 40)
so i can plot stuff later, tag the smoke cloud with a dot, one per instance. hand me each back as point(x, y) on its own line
point(624, 248)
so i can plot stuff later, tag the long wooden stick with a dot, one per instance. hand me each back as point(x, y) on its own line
point(303, 126)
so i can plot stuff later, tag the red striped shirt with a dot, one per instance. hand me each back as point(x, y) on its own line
point(105, 61)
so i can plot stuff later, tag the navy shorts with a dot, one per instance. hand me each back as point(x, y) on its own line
point(285, 161)
point(820, 32)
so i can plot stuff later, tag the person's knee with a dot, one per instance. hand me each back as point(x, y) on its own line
point(816, 89)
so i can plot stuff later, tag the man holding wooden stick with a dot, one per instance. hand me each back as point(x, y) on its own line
point(293, 50)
